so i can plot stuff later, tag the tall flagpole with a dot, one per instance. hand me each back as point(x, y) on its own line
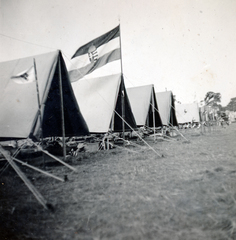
point(62, 109)
point(122, 92)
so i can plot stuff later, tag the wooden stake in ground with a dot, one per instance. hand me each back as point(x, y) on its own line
point(37, 169)
point(31, 187)
point(52, 156)
point(139, 136)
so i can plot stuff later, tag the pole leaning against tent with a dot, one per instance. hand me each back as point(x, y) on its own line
point(173, 126)
point(38, 196)
point(39, 104)
point(139, 136)
point(39, 109)
point(54, 157)
point(62, 109)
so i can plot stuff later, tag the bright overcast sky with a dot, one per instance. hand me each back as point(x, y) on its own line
point(186, 46)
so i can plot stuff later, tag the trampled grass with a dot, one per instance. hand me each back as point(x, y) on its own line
point(189, 194)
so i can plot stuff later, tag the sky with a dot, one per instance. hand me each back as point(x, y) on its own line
point(184, 46)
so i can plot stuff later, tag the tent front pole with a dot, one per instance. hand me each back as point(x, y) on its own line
point(39, 110)
point(39, 104)
point(123, 107)
point(153, 115)
point(62, 110)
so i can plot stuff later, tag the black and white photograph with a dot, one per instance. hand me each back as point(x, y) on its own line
point(117, 120)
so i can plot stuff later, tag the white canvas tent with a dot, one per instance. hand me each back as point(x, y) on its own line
point(26, 84)
point(144, 106)
point(166, 105)
point(100, 99)
point(187, 113)
point(18, 98)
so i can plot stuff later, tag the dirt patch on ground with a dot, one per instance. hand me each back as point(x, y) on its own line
point(190, 193)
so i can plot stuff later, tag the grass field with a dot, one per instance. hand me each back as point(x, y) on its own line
point(132, 193)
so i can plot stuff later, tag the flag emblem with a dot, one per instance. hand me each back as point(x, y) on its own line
point(93, 54)
point(24, 77)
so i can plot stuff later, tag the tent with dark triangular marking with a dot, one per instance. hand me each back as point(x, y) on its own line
point(144, 106)
point(100, 99)
point(166, 105)
point(18, 99)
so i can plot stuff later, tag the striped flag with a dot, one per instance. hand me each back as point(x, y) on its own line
point(95, 54)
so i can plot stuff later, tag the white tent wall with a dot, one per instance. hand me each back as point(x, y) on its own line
point(187, 113)
point(97, 98)
point(141, 101)
point(166, 108)
point(164, 104)
point(139, 98)
point(18, 102)
point(18, 98)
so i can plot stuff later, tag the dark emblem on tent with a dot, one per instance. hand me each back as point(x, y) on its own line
point(93, 54)
point(25, 76)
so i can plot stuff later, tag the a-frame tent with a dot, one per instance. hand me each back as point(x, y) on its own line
point(144, 106)
point(166, 105)
point(100, 100)
point(24, 85)
point(18, 98)
point(187, 113)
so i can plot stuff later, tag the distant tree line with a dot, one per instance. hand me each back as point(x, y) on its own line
point(231, 105)
point(214, 99)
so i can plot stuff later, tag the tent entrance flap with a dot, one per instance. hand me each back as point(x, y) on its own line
point(98, 99)
point(143, 102)
point(166, 104)
point(153, 117)
point(128, 115)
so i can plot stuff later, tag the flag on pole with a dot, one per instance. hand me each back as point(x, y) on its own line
point(27, 76)
point(95, 54)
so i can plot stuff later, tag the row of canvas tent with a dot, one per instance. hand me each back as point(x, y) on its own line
point(144, 101)
point(93, 105)
point(152, 109)
point(89, 105)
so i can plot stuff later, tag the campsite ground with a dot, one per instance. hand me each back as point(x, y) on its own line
point(132, 194)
